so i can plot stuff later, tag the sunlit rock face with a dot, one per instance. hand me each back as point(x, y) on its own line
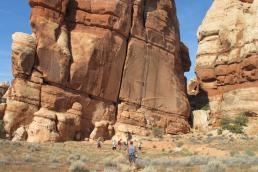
point(227, 59)
point(91, 67)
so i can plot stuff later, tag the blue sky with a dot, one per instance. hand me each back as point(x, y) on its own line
point(190, 14)
point(15, 18)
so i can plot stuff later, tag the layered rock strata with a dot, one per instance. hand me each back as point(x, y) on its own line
point(227, 60)
point(92, 66)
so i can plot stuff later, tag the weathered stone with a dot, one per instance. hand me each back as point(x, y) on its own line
point(23, 54)
point(102, 129)
point(140, 116)
point(25, 91)
point(87, 59)
point(20, 134)
point(16, 114)
point(193, 87)
point(22, 102)
point(227, 56)
point(200, 120)
point(155, 63)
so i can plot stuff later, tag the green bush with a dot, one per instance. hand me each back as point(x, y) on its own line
point(249, 152)
point(78, 166)
point(241, 120)
point(225, 121)
point(214, 166)
point(233, 125)
point(157, 132)
point(219, 131)
point(234, 153)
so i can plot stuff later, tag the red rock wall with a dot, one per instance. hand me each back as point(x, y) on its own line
point(99, 55)
point(227, 56)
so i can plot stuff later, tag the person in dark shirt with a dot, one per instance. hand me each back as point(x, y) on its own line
point(131, 153)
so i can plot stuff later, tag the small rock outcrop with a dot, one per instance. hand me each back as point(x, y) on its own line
point(201, 120)
point(92, 67)
point(227, 57)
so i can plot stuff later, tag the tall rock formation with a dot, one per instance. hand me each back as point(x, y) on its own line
point(94, 67)
point(227, 59)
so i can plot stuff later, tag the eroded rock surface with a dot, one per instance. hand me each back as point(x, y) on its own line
point(153, 85)
point(92, 66)
point(227, 57)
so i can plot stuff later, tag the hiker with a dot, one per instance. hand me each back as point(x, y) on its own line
point(113, 144)
point(140, 145)
point(131, 152)
point(119, 144)
point(128, 137)
point(125, 145)
point(99, 143)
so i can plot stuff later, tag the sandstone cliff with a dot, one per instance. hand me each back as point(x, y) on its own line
point(96, 68)
point(227, 56)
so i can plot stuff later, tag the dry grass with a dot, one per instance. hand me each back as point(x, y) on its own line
point(238, 154)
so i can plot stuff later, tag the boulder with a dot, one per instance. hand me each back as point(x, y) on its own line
point(20, 134)
point(200, 120)
point(49, 125)
point(102, 129)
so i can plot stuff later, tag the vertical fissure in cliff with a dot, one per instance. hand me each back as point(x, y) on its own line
point(126, 51)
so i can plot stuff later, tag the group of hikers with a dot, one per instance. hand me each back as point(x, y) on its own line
point(126, 145)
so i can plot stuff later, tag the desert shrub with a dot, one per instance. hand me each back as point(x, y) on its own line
point(233, 153)
point(149, 168)
point(3, 162)
point(77, 163)
point(219, 131)
point(179, 144)
point(73, 157)
point(140, 163)
point(78, 166)
point(157, 132)
point(241, 119)
point(28, 158)
point(33, 147)
point(249, 152)
point(116, 164)
point(54, 159)
point(110, 163)
point(214, 166)
point(233, 125)
point(225, 121)
point(198, 159)
point(186, 152)
point(235, 128)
